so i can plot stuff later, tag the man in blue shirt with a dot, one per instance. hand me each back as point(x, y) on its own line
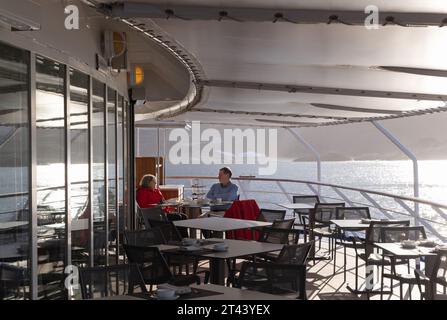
point(225, 190)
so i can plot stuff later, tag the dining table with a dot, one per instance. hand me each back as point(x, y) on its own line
point(217, 258)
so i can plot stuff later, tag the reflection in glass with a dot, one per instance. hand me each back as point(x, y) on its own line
point(125, 165)
point(80, 206)
point(120, 163)
point(111, 157)
point(98, 201)
point(50, 147)
point(14, 163)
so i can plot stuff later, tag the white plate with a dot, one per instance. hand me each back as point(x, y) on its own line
point(220, 249)
point(189, 248)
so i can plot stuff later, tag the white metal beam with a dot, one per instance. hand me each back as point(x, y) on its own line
point(410, 155)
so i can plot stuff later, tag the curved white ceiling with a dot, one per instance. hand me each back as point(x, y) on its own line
point(332, 56)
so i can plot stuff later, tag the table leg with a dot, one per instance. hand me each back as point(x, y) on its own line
point(217, 271)
point(430, 289)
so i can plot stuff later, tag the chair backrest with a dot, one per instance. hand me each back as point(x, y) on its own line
point(152, 264)
point(11, 278)
point(278, 233)
point(439, 274)
point(306, 199)
point(398, 234)
point(270, 215)
point(325, 212)
point(374, 232)
point(152, 214)
point(295, 253)
point(352, 213)
point(144, 238)
point(107, 281)
point(168, 229)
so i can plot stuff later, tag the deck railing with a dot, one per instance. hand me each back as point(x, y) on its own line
point(269, 192)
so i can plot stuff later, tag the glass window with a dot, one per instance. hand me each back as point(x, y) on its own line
point(14, 166)
point(79, 168)
point(98, 201)
point(111, 158)
point(51, 205)
point(120, 162)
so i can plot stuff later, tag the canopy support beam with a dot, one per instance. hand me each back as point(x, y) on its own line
point(411, 156)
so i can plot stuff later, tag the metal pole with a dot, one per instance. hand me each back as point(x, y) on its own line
point(410, 155)
point(158, 156)
point(309, 147)
point(32, 206)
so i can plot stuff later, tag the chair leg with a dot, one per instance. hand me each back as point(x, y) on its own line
point(381, 282)
point(335, 257)
point(344, 265)
point(401, 291)
point(356, 272)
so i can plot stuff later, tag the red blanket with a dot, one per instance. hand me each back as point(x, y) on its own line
point(246, 210)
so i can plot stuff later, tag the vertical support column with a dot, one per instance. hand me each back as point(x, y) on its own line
point(309, 147)
point(158, 155)
point(67, 123)
point(32, 203)
point(117, 182)
point(131, 159)
point(106, 171)
point(90, 171)
point(410, 155)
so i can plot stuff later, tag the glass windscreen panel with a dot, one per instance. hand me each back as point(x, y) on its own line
point(50, 179)
point(14, 168)
point(79, 168)
point(111, 171)
point(98, 171)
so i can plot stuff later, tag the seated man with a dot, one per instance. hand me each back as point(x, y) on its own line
point(225, 190)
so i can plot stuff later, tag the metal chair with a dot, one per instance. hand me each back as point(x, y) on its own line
point(345, 238)
point(324, 213)
point(311, 199)
point(289, 268)
point(437, 277)
point(152, 214)
point(154, 268)
point(364, 248)
point(399, 234)
point(144, 238)
point(270, 215)
point(123, 279)
point(12, 280)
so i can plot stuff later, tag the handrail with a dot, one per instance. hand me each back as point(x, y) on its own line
point(379, 193)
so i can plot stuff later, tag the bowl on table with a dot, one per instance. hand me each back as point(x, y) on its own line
point(408, 244)
point(220, 246)
point(189, 242)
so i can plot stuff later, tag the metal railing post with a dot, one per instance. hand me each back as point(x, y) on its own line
point(412, 157)
point(312, 150)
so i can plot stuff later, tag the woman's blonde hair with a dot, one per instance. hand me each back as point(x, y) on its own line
point(146, 180)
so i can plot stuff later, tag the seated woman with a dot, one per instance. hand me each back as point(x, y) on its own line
point(149, 195)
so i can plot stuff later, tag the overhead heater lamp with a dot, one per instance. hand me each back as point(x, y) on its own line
point(16, 23)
